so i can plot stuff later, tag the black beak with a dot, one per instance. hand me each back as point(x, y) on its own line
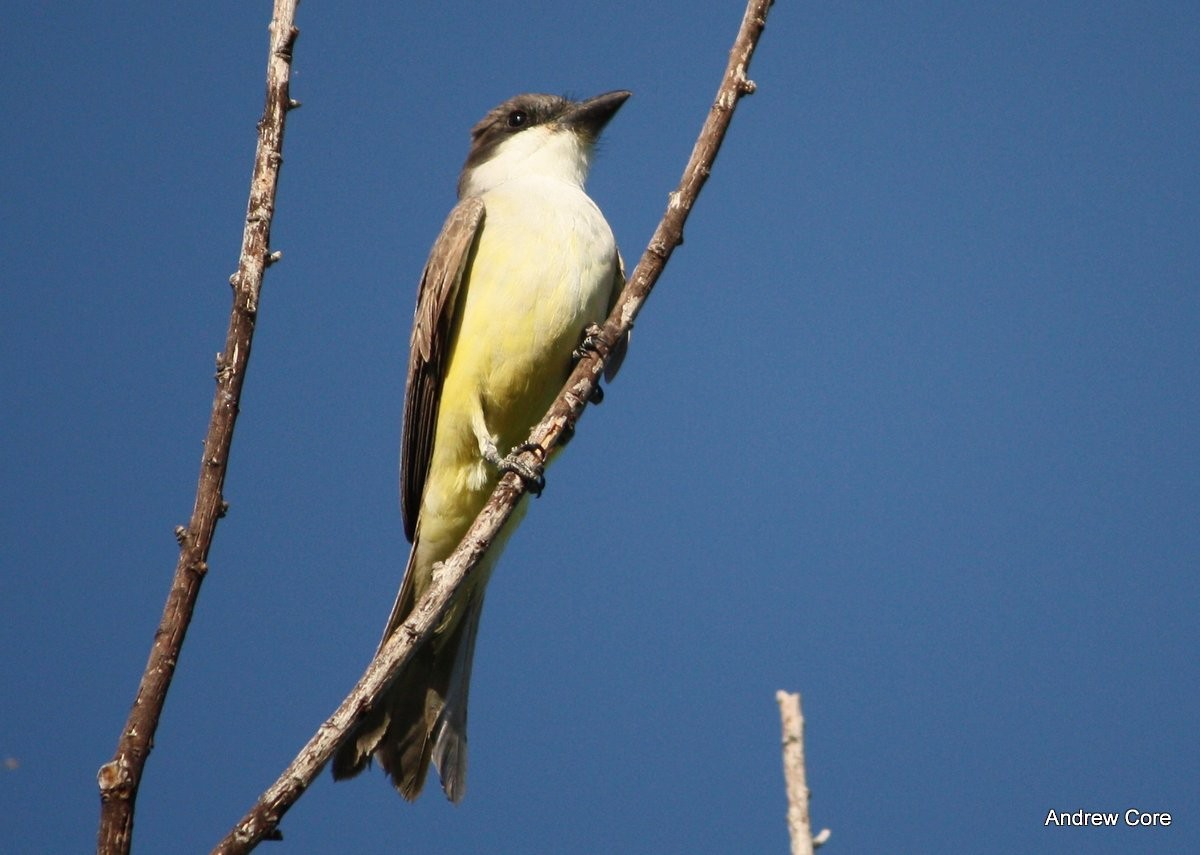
point(592, 115)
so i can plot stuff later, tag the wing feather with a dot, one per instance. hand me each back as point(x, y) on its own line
point(437, 300)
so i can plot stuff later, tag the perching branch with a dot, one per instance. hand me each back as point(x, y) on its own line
point(799, 824)
point(119, 778)
point(264, 817)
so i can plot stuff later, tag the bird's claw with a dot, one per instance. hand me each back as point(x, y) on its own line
point(591, 343)
point(533, 475)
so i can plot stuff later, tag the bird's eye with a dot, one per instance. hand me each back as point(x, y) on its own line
point(518, 119)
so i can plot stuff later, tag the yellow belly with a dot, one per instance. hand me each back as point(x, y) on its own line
point(540, 274)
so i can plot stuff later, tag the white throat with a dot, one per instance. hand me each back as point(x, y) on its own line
point(547, 151)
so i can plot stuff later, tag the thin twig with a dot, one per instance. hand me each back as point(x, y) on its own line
point(264, 817)
point(799, 824)
point(120, 777)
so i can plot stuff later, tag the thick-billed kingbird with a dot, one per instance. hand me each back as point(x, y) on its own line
point(524, 264)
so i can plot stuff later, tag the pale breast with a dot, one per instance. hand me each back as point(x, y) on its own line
point(542, 271)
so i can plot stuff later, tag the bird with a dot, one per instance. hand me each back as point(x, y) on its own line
point(524, 265)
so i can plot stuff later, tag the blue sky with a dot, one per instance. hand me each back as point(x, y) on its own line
point(910, 425)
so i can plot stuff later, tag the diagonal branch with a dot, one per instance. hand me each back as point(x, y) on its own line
point(264, 817)
point(120, 777)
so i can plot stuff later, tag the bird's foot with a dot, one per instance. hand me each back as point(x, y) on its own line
point(593, 343)
point(533, 475)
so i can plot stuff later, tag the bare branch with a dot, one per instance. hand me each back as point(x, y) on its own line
point(119, 778)
point(799, 824)
point(264, 817)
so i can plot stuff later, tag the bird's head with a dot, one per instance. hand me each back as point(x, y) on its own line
point(536, 135)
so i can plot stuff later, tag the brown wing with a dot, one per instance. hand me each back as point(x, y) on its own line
point(436, 301)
